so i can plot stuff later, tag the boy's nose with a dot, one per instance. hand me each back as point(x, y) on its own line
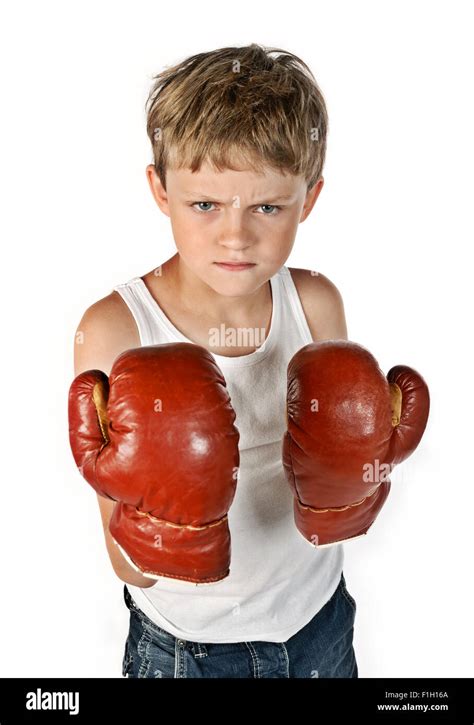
point(234, 242)
point(235, 235)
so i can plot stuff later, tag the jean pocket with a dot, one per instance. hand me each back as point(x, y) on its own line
point(127, 662)
point(347, 595)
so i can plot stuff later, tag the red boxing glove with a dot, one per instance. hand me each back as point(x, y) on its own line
point(348, 425)
point(158, 437)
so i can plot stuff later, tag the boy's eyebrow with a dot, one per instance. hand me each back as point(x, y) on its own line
point(202, 195)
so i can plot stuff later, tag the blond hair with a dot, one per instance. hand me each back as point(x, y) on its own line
point(238, 104)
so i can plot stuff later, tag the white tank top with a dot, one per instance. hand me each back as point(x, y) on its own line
point(278, 581)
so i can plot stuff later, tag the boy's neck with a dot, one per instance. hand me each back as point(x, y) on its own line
point(195, 295)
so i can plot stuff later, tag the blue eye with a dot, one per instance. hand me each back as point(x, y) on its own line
point(202, 202)
point(272, 206)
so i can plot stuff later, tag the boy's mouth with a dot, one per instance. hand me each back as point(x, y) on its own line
point(235, 266)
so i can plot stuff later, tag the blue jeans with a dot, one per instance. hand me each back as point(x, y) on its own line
point(322, 648)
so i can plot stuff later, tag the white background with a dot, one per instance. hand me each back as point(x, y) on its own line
point(392, 228)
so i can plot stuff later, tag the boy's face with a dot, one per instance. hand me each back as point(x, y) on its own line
point(233, 216)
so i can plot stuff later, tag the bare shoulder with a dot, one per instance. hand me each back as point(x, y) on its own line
point(322, 304)
point(106, 329)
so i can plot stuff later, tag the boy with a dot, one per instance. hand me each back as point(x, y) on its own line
point(237, 135)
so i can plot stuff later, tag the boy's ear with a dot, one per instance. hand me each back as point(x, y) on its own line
point(311, 197)
point(157, 189)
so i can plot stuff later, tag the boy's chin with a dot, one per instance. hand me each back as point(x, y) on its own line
point(237, 286)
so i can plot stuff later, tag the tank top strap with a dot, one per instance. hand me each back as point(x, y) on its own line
point(136, 301)
point(294, 308)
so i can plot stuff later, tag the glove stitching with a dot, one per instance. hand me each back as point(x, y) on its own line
point(182, 526)
point(339, 508)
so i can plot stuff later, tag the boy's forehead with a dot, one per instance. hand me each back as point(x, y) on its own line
point(209, 179)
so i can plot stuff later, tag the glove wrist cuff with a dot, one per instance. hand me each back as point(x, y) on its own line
point(325, 526)
point(156, 548)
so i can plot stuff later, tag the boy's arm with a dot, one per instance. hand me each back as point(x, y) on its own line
point(322, 304)
point(106, 329)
